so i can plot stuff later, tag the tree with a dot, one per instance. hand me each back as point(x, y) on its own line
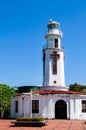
point(77, 87)
point(5, 94)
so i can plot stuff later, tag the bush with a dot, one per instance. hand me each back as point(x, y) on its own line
point(30, 119)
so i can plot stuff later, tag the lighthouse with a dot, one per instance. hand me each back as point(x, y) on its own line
point(53, 57)
point(53, 100)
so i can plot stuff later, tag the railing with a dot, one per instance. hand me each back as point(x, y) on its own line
point(46, 46)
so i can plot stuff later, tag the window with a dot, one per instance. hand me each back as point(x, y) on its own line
point(16, 106)
point(35, 106)
point(83, 105)
point(56, 43)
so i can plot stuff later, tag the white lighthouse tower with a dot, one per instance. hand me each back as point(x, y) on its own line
point(53, 58)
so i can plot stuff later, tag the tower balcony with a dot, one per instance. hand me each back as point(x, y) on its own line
point(46, 46)
point(50, 46)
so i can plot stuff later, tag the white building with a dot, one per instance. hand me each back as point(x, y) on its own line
point(53, 100)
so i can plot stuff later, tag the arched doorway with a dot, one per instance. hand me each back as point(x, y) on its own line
point(60, 110)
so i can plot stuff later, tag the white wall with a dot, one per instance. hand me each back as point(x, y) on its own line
point(49, 77)
point(47, 106)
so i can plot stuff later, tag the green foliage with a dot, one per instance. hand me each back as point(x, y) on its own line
point(77, 87)
point(5, 94)
point(30, 119)
point(34, 89)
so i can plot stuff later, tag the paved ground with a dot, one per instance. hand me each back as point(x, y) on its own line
point(51, 125)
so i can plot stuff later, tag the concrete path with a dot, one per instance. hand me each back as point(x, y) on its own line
point(50, 125)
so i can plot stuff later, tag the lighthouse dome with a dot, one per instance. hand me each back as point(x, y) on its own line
point(53, 29)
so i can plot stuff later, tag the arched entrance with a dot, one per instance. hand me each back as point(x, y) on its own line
point(60, 110)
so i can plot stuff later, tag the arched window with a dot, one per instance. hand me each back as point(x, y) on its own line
point(60, 110)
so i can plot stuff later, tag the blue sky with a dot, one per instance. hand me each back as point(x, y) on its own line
point(23, 24)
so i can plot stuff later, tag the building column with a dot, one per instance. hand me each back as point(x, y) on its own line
point(77, 108)
point(22, 106)
point(72, 114)
point(44, 106)
point(50, 106)
point(68, 110)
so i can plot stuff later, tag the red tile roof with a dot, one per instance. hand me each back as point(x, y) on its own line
point(44, 92)
point(17, 94)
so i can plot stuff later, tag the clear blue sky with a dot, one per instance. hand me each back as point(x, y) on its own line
point(23, 24)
